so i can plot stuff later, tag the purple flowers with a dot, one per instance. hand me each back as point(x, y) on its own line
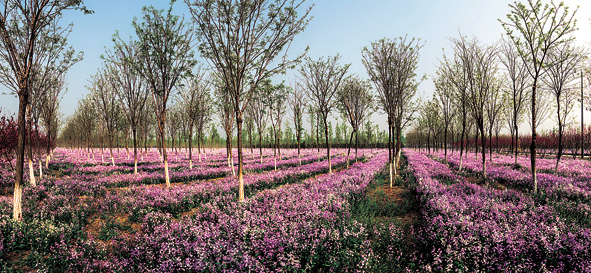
point(474, 228)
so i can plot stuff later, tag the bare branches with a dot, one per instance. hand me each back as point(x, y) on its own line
point(321, 80)
point(243, 39)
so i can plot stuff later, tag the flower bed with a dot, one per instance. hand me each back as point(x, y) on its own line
point(471, 228)
point(575, 188)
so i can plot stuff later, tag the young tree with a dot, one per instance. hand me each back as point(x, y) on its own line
point(242, 40)
point(21, 23)
point(106, 103)
point(313, 120)
point(259, 112)
point(536, 29)
point(277, 103)
point(52, 60)
point(50, 112)
point(516, 71)
point(560, 77)
point(429, 113)
point(322, 80)
point(391, 66)
point(445, 90)
point(165, 57)
point(493, 107)
point(193, 96)
point(226, 114)
point(478, 62)
point(297, 105)
point(128, 85)
point(454, 72)
point(205, 105)
point(355, 103)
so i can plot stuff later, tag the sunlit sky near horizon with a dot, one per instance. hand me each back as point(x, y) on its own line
point(338, 27)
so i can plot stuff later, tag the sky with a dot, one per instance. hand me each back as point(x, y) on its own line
point(342, 27)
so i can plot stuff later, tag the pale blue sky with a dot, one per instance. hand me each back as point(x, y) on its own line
point(342, 27)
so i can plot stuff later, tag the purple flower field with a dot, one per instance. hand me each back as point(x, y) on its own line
point(488, 229)
point(295, 216)
point(86, 216)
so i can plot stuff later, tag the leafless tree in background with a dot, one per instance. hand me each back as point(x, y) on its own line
point(297, 104)
point(321, 80)
point(516, 72)
point(560, 78)
point(355, 103)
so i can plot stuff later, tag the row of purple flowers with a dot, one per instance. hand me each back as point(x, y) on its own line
point(474, 228)
point(303, 226)
point(575, 187)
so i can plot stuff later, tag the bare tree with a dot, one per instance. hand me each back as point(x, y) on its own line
point(560, 77)
point(259, 113)
point(277, 103)
point(204, 115)
point(165, 43)
point(128, 85)
point(391, 66)
point(105, 100)
point(50, 111)
point(445, 90)
point(429, 113)
point(355, 103)
point(536, 29)
point(193, 95)
point(85, 119)
point(322, 80)
point(478, 62)
point(226, 114)
point(516, 71)
point(493, 108)
point(297, 105)
point(313, 120)
point(52, 59)
point(242, 40)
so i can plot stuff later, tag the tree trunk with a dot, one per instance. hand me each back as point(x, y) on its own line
point(191, 148)
point(163, 147)
point(111, 150)
point(299, 157)
point(390, 148)
point(559, 155)
point(229, 153)
point(23, 100)
point(250, 140)
point(30, 148)
point(327, 143)
point(261, 144)
point(239, 144)
point(317, 135)
point(356, 143)
point(48, 156)
point(349, 150)
point(483, 143)
point(516, 143)
point(462, 140)
point(534, 135)
point(134, 130)
point(445, 142)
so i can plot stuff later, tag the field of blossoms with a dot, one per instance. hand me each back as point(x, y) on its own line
point(499, 224)
point(86, 215)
